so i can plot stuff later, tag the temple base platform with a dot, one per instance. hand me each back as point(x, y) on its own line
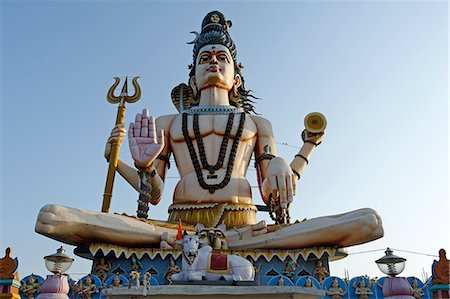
point(214, 292)
point(292, 266)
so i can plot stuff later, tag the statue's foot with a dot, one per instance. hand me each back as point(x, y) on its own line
point(78, 227)
point(348, 229)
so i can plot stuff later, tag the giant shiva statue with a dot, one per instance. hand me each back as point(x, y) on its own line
point(212, 140)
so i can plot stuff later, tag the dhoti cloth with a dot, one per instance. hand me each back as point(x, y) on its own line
point(213, 214)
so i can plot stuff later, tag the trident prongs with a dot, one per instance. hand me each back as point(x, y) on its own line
point(114, 154)
point(111, 98)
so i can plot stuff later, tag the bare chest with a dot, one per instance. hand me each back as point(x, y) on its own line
point(206, 125)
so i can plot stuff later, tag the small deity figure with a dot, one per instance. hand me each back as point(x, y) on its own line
point(133, 277)
point(361, 290)
point(320, 272)
point(135, 264)
point(289, 268)
point(417, 291)
point(116, 282)
point(147, 278)
point(172, 269)
point(101, 269)
point(335, 292)
point(30, 287)
point(441, 269)
point(280, 281)
point(309, 283)
point(87, 288)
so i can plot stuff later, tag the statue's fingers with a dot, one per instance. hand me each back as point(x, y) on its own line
point(294, 184)
point(144, 127)
point(273, 184)
point(259, 232)
point(152, 128)
point(260, 225)
point(145, 113)
point(289, 189)
point(137, 126)
point(131, 131)
point(282, 188)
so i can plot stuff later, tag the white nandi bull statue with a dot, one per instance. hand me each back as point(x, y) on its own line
point(198, 263)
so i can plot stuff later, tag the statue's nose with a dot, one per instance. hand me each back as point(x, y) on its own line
point(214, 60)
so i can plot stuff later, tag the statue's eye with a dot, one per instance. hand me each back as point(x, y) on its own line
point(222, 57)
point(204, 58)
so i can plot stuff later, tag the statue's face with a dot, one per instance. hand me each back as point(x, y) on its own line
point(215, 67)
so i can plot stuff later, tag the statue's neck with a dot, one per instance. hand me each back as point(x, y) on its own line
point(214, 96)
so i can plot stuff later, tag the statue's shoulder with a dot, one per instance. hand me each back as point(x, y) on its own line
point(165, 121)
point(263, 125)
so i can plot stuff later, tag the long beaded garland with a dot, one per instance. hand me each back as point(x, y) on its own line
point(198, 170)
point(223, 146)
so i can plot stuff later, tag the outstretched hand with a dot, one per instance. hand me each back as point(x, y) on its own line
point(145, 143)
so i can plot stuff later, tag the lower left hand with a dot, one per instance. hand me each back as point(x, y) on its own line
point(282, 181)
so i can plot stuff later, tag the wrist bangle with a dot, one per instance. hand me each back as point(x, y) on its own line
point(296, 173)
point(315, 144)
point(263, 157)
point(143, 169)
point(303, 157)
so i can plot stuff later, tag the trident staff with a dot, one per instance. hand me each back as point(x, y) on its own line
point(114, 156)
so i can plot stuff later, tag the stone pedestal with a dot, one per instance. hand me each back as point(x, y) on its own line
point(214, 292)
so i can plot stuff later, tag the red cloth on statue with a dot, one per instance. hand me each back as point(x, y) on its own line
point(218, 262)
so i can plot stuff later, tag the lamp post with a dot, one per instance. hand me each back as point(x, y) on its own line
point(56, 286)
point(394, 287)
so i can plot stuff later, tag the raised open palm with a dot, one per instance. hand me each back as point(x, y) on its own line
point(145, 143)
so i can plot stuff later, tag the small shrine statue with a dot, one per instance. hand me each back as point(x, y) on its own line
point(361, 290)
point(133, 278)
point(289, 268)
point(309, 283)
point(147, 278)
point(199, 263)
point(441, 269)
point(87, 288)
point(116, 282)
point(101, 269)
point(280, 281)
point(417, 291)
point(320, 272)
point(135, 264)
point(212, 139)
point(335, 292)
point(30, 287)
point(171, 269)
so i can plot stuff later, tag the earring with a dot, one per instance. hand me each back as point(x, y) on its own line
point(195, 100)
point(234, 95)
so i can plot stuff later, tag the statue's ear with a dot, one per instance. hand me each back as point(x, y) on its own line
point(199, 227)
point(193, 85)
point(222, 227)
point(237, 80)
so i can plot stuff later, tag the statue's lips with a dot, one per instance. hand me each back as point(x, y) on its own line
point(213, 68)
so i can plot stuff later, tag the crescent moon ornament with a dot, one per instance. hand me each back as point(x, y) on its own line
point(196, 37)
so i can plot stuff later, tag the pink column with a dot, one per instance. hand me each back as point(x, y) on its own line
point(55, 287)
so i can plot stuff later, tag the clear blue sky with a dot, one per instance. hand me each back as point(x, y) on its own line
point(377, 70)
